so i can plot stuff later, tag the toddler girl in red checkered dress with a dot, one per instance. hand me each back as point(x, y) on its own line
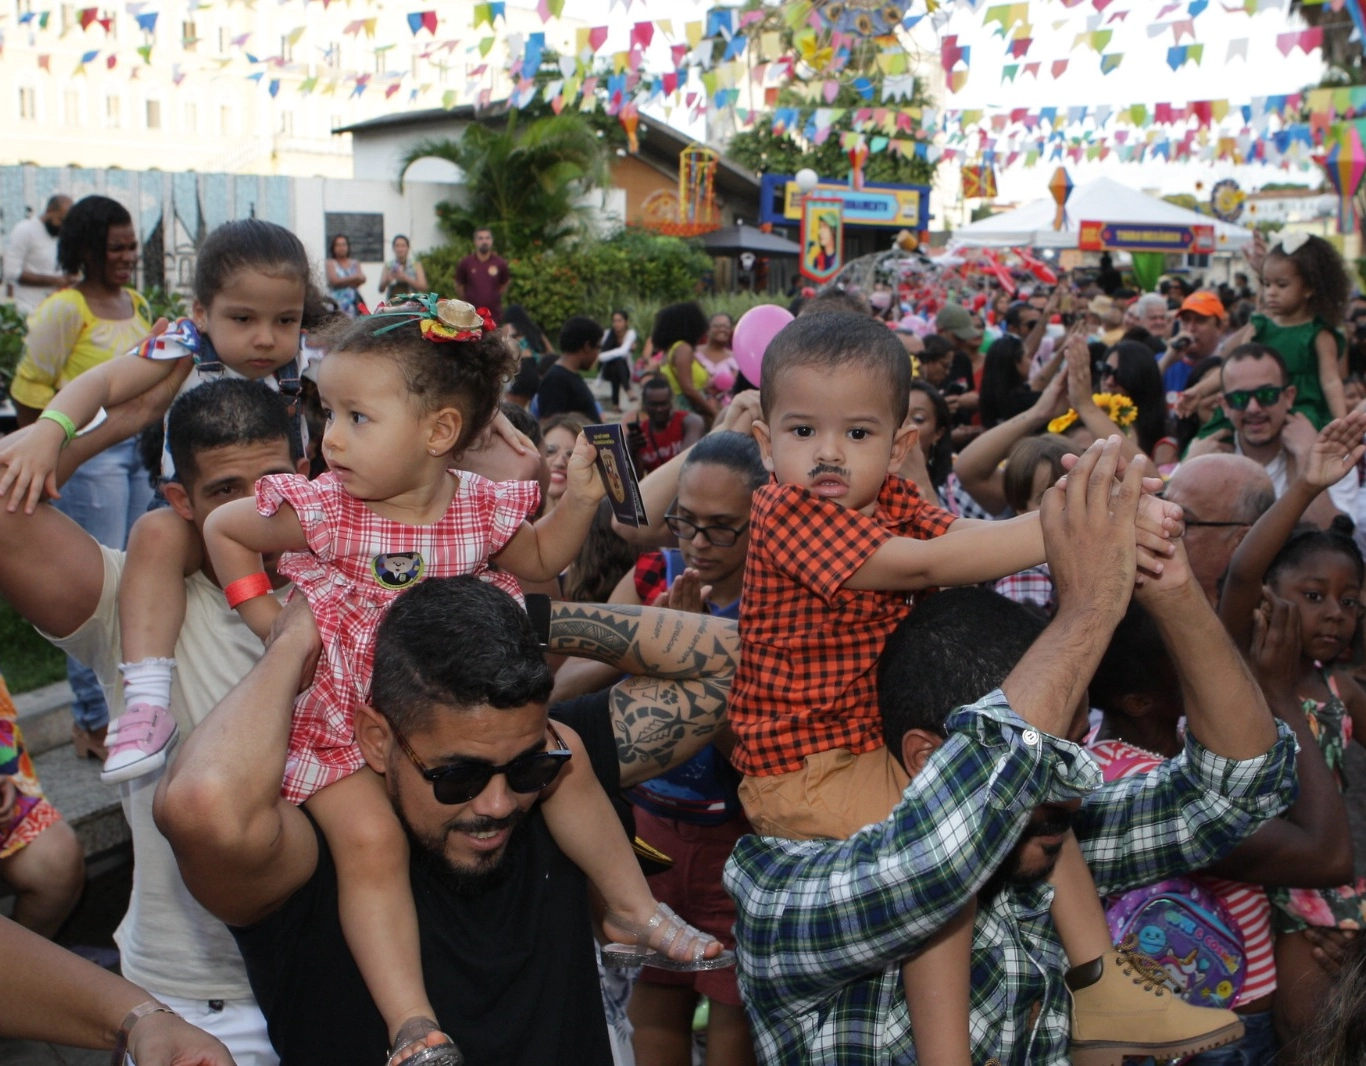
point(836, 544)
point(406, 391)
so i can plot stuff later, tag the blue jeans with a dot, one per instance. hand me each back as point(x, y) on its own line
point(1256, 1048)
point(104, 497)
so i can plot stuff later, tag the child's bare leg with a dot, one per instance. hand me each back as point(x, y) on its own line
point(936, 985)
point(374, 894)
point(581, 819)
point(162, 551)
point(1077, 913)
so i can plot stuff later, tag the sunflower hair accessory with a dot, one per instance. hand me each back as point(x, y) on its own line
point(441, 321)
point(1117, 407)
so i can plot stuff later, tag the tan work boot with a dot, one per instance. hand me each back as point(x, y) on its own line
point(1124, 1003)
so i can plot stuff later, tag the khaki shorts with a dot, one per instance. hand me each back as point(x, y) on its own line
point(834, 795)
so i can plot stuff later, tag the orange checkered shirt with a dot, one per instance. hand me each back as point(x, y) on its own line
point(807, 680)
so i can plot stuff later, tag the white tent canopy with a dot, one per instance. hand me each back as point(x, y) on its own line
point(1102, 200)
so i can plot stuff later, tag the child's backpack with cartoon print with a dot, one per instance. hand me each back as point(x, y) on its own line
point(1188, 931)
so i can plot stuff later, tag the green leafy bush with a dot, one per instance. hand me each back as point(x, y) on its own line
point(13, 329)
point(632, 269)
point(166, 303)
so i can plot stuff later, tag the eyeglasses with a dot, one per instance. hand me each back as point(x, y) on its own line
point(717, 536)
point(1108, 371)
point(1195, 523)
point(1267, 395)
point(461, 781)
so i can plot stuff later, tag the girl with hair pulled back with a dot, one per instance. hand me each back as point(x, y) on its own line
point(1319, 574)
point(405, 391)
point(252, 295)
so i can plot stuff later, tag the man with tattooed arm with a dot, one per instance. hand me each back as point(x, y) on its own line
point(459, 719)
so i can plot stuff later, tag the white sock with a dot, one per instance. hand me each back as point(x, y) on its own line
point(147, 681)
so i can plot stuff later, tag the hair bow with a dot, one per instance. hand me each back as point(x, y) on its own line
point(1290, 243)
point(441, 321)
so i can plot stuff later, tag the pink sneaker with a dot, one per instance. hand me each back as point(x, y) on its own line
point(138, 744)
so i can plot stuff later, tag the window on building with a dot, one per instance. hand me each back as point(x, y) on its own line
point(223, 38)
point(25, 7)
point(28, 103)
point(71, 108)
point(333, 55)
point(189, 39)
point(286, 49)
point(112, 110)
point(225, 121)
point(287, 123)
point(154, 114)
point(191, 118)
point(68, 17)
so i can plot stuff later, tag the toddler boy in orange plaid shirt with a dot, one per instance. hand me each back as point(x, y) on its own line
point(837, 543)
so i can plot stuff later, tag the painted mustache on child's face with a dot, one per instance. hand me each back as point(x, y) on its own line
point(825, 468)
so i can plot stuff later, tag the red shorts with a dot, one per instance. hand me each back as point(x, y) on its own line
point(693, 889)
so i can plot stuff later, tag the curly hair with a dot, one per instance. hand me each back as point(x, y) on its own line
point(83, 243)
point(1308, 540)
point(1320, 268)
point(467, 375)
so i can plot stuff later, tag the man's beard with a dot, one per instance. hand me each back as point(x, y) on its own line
point(1012, 872)
point(52, 230)
point(487, 872)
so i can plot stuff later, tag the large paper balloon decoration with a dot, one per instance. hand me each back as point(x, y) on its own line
point(756, 328)
point(1226, 200)
point(1345, 163)
point(1060, 186)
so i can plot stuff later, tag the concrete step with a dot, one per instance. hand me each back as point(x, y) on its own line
point(45, 717)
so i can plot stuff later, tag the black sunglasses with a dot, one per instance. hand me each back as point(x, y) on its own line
point(461, 781)
point(1267, 395)
point(717, 536)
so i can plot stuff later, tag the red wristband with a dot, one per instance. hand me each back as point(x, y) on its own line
point(247, 588)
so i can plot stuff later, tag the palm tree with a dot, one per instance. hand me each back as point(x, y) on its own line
point(523, 182)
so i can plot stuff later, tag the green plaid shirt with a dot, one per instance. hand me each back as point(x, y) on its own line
point(823, 925)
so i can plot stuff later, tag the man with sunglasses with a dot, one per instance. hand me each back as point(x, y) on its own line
point(459, 729)
point(1257, 398)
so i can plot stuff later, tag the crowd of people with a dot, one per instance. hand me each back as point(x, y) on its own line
point(977, 692)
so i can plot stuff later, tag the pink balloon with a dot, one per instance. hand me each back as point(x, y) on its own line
point(756, 328)
point(723, 380)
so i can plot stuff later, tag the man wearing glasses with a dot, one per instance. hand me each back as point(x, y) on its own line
point(1257, 400)
point(1220, 497)
point(459, 730)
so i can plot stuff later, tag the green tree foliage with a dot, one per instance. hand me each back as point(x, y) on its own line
point(522, 180)
point(760, 150)
point(630, 268)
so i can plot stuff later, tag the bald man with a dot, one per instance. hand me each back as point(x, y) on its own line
point(1221, 496)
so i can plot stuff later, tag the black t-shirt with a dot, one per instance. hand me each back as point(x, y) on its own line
point(511, 970)
point(563, 391)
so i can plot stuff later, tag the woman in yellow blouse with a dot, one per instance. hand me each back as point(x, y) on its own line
point(73, 330)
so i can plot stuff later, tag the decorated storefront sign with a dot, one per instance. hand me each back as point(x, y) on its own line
point(873, 205)
point(1145, 237)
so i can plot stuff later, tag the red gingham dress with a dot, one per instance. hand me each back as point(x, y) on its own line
point(356, 564)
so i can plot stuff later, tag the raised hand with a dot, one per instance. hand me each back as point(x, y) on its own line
point(1275, 651)
point(687, 593)
point(1336, 451)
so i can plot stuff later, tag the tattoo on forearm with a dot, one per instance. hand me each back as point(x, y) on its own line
point(594, 632)
point(666, 647)
point(660, 724)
